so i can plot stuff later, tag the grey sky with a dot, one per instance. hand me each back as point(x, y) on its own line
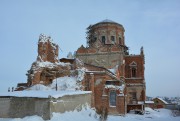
point(154, 24)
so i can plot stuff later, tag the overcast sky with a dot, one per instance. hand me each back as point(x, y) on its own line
point(153, 24)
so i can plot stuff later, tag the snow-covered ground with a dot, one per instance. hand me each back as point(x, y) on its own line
point(70, 86)
point(88, 114)
point(65, 86)
point(150, 115)
point(63, 83)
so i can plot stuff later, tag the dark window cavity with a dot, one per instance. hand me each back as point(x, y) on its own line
point(103, 38)
point(110, 83)
point(120, 41)
point(133, 72)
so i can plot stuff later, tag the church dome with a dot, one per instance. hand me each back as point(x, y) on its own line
point(105, 33)
point(107, 21)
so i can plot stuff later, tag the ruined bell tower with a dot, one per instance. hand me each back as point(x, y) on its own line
point(47, 49)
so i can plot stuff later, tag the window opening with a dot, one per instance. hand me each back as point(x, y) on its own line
point(103, 38)
point(112, 39)
point(112, 98)
point(133, 72)
point(120, 42)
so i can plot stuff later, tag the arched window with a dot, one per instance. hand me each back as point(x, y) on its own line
point(133, 72)
point(112, 39)
point(103, 39)
point(133, 69)
point(112, 99)
point(120, 41)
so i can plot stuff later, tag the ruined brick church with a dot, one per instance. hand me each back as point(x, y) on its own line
point(115, 77)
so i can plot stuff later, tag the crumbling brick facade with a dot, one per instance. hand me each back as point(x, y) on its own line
point(47, 66)
point(115, 77)
point(47, 49)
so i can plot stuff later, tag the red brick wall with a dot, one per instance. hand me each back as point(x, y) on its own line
point(139, 60)
point(121, 104)
point(101, 95)
point(134, 80)
point(48, 51)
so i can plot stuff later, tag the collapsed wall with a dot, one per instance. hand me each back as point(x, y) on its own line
point(46, 72)
point(47, 66)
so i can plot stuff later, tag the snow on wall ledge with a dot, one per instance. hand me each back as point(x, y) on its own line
point(43, 94)
point(50, 65)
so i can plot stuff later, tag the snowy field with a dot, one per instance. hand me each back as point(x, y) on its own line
point(87, 114)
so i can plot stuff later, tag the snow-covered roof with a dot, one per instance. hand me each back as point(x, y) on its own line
point(140, 102)
point(149, 102)
point(43, 94)
point(113, 70)
point(163, 100)
point(63, 84)
point(87, 71)
point(45, 64)
point(49, 64)
point(121, 88)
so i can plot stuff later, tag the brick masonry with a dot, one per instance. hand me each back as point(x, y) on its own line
point(104, 52)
